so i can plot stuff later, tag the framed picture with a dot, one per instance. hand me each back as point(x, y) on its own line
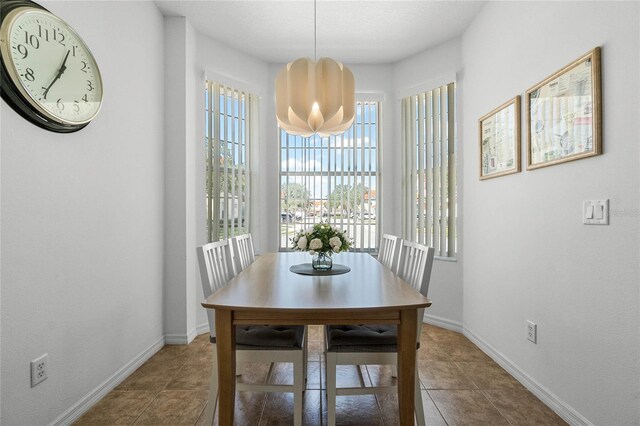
point(499, 138)
point(564, 114)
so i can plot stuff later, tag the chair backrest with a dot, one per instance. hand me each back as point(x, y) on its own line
point(389, 251)
point(414, 266)
point(242, 252)
point(216, 268)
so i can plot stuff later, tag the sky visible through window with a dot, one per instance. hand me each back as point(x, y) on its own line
point(332, 179)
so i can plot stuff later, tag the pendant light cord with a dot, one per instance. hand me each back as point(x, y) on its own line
point(315, 31)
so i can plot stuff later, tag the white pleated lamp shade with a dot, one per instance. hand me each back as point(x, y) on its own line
point(315, 97)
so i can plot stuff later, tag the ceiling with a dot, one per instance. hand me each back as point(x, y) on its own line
point(356, 31)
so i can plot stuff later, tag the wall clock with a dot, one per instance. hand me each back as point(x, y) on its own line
point(49, 75)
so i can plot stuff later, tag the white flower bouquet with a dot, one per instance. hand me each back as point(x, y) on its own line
point(321, 238)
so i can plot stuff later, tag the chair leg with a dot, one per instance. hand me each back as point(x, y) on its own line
point(213, 389)
point(270, 372)
point(331, 361)
point(299, 367)
point(305, 349)
point(419, 410)
point(360, 376)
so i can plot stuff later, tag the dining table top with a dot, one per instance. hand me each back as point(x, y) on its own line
point(268, 284)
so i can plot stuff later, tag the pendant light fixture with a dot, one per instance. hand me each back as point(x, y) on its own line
point(315, 96)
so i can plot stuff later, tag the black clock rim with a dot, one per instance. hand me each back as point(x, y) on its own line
point(10, 92)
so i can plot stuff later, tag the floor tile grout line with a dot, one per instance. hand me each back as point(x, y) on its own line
point(323, 356)
point(159, 392)
point(185, 359)
point(266, 396)
point(146, 407)
point(494, 406)
point(201, 412)
point(466, 375)
point(321, 399)
point(437, 408)
point(366, 367)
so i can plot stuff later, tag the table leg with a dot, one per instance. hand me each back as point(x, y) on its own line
point(226, 345)
point(407, 337)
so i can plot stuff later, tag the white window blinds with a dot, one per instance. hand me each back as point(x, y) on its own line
point(333, 179)
point(429, 191)
point(231, 128)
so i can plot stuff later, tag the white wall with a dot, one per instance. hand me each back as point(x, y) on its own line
point(82, 223)
point(180, 268)
point(425, 71)
point(527, 254)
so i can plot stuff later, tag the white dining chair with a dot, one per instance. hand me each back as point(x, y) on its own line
point(389, 251)
point(242, 252)
point(243, 255)
point(254, 343)
point(377, 344)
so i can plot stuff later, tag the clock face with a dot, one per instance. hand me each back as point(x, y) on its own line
point(51, 66)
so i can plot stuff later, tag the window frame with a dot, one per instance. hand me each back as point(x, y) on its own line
point(343, 176)
point(237, 132)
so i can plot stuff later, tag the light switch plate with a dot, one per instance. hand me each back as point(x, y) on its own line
point(595, 212)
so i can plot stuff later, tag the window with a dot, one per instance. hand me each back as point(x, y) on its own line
point(333, 179)
point(229, 123)
point(428, 132)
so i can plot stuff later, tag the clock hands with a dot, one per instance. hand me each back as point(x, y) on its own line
point(57, 77)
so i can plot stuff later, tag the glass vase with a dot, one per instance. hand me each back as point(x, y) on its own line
point(322, 262)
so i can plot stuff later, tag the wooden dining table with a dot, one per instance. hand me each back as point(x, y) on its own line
point(268, 293)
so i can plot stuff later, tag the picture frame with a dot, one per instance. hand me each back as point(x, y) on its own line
point(499, 140)
point(564, 114)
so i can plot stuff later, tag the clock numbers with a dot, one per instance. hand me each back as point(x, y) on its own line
point(22, 49)
point(31, 40)
point(45, 32)
point(60, 38)
point(56, 73)
point(29, 75)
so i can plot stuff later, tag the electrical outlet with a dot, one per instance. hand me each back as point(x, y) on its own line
point(39, 370)
point(532, 331)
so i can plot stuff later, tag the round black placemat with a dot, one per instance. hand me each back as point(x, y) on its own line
point(307, 269)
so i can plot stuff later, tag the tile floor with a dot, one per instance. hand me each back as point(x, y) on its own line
point(461, 386)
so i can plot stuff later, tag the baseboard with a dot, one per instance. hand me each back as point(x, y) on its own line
point(86, 402)
point(202, 328)
point(443, 322)
point(564, 410)
point(180, 339)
